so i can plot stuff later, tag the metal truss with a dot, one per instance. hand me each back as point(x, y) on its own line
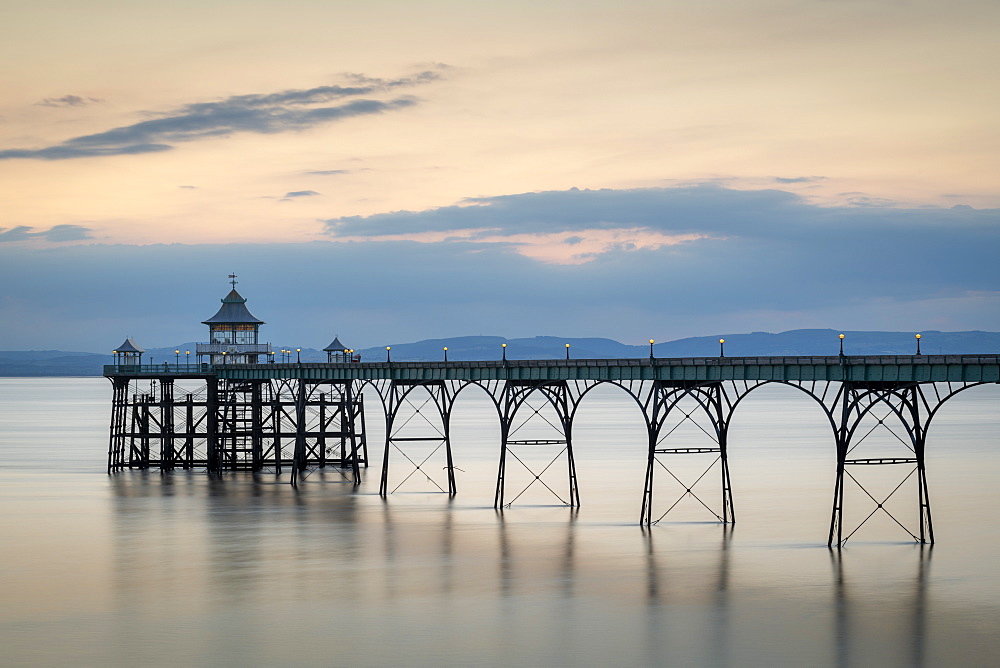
point(236, 425)
point(418, 418)
point(901, 413)
point(670, 406)
point(329, 429)
point(306, 424)
point(530, 406)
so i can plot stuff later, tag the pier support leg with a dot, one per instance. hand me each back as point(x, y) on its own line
point(299, 456)
point(646, 514)
point(867, 410)
point(427, 414)
point(919, 443)
point(449, 458)
point(167, 445)
point(354, 416)
point(688, 402)
point(517, 414)
point(502, 466)
point(728, 508)
point(119, 422)
point(213, 456)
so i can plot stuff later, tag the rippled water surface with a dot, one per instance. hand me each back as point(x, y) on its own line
point(184, 569)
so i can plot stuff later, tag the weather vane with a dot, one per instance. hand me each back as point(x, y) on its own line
point(232, 279)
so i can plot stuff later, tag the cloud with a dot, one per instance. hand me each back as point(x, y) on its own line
point(696, 209)
point(896, 276)
point(708, 209)
point(58, 233)
point(870, 201)
point(66, 151)
point(761, 260)
point(67, 101)
point(427, 76)
point(799, 179)
point(301, 193)
point(284, 111)
point(544, 225)
point(329, 172)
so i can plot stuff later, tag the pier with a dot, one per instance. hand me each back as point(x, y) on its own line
point(232, 411)
point(294, 416)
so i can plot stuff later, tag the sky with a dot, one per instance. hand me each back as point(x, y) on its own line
point(393, 171)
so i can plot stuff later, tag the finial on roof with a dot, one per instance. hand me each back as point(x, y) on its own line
point(232, 279)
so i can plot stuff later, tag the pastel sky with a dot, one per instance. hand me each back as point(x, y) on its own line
point(389, 171)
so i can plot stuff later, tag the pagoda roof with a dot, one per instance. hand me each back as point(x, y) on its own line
point(336, 346)
point(233, 312)
point(129, 347)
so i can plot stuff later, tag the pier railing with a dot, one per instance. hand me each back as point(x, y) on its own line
point(234, 348)
point(157, 369)
point(896, 368)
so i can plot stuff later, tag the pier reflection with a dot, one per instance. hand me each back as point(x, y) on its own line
point(529, 555)
point(236, 540)
point(700, 579)
point(424, 569)
point(899, 609)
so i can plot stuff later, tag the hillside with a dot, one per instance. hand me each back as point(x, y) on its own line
point(795, 342)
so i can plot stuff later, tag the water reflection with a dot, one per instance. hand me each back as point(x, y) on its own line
point(232, 540)
point(198, 544)
point(521, 566)
point(674, 577)
point(656, 577)
point(900, 608)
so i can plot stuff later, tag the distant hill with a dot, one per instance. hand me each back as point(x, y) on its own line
point(475, 348)
point(489, 348)
point(795, 342)
point(825, 342)
point(51, 363)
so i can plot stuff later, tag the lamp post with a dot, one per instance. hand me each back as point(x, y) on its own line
point(722, 347)
point(387, 358)
point(651, 342)
point(841, 345)
point(446, 353)
point(223, 358)
point(567, 351)
point(177, 357)
point(503, 346)
point(918, 344)
point(298, 355)
point(187, 357)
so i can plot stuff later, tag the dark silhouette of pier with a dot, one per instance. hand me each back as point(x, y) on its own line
point(299, 416)
point(237, 408)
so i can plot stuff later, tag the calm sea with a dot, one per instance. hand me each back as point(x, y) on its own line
point(183, 569)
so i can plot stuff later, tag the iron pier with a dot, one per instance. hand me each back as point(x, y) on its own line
point(301, 416)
